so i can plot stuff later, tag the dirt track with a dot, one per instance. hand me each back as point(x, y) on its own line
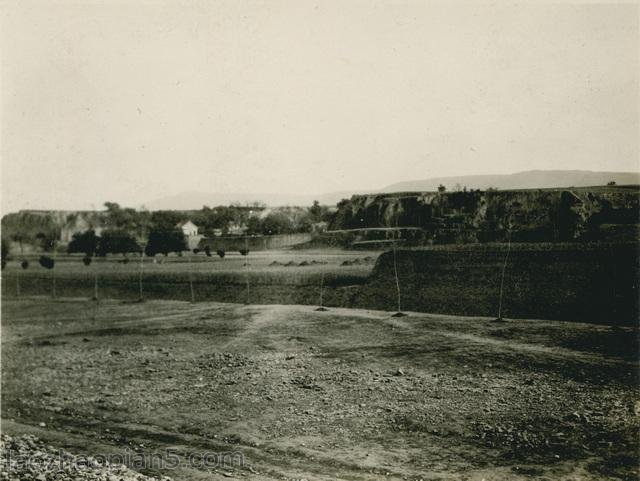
point(347, 394)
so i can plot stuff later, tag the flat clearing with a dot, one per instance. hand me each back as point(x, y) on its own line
point(259, 261)
point(270, 275)
point(342, 394)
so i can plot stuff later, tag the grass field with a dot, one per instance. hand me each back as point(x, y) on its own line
point(259, 262)
point(213, 278)
point(343, 394)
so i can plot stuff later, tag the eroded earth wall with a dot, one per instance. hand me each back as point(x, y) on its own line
point(544, 215)
point(595, 283)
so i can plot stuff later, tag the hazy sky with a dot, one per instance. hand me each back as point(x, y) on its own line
point(130, 101)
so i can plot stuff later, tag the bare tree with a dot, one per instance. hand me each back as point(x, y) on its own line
point(399, 313)
point(504, 268)
point(142, 248)
point(397, 233)
point(193, 297)
point(321, 307)
point(95, 281)
point(53, 271)
point(245, 252)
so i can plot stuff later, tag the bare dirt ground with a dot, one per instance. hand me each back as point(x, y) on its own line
point(27, 457)
point(343, 394)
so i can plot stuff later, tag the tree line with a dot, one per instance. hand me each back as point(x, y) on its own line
point(125, 230)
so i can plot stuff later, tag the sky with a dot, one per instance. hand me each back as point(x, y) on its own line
point(134, 100)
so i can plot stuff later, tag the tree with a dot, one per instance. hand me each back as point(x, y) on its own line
point(46, 241)
point(85, 243)
point(5, 252)
point(19, 238)
point(47, 262)
point(214, 218)
point(135, 223)
point(442, 188)
point(276, 223)
point(116, 241)
point(165, 219)
point(316, 211)
point(254, 225)
point(165, 241)
point(319, 213)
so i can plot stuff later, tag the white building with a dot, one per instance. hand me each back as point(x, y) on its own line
point(190, 231)
point(188, 228)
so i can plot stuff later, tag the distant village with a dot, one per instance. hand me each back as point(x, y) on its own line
point(124, 230)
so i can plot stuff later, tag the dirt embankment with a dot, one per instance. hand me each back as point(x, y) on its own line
point(596, 284)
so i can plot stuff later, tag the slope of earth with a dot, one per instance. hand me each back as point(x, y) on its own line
point(592, 283)
point(344, 394)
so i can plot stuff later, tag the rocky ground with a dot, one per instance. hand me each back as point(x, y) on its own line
point(26, 457)
point(342, 394)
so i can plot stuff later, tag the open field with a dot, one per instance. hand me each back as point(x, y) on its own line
point(597, 282)
point(343, 394)
point(259, 262)
point(213, 278)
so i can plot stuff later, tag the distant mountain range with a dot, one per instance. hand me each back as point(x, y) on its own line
point(531, 179)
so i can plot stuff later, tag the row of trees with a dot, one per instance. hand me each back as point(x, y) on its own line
point(118, 241)
point(253, 219)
